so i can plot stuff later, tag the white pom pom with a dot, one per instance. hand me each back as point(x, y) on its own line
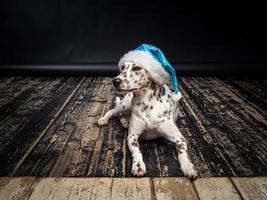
point(117, 101)
point(177, 97)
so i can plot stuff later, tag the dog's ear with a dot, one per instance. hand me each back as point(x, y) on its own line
point(157, 79)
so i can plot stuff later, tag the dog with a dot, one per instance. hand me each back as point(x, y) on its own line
point(149, 112)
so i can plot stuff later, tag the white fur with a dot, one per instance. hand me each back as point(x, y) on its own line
point(152, 112)
point(146, 61)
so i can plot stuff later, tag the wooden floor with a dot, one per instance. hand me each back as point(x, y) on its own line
point(23, 188)
point(48, 129)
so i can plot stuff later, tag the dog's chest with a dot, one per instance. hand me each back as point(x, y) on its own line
point(153, 110)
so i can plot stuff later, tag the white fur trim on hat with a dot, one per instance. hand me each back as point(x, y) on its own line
point(147, 62)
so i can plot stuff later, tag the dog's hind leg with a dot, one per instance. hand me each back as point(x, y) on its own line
point(170, 131)
point(121, 106)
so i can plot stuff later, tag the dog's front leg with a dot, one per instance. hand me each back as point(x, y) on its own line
point(135, 129)
point(121, 106)
point(172, 133)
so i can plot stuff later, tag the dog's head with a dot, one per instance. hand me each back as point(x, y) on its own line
point(131, 78)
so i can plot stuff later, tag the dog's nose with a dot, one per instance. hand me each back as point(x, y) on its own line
point(116, 82)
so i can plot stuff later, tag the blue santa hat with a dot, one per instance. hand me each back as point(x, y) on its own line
point(155, 63)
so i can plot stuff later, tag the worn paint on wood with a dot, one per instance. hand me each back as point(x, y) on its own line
point(71, 189)
point(15, 188)
point(171, 188)
point(131, 188)
point(216, 188)
point(174, 188)
point(20, 130)
point(225, 128)
point(251, 187)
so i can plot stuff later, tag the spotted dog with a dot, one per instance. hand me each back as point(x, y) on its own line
point(149, 112)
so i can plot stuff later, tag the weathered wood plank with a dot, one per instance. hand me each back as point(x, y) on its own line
point(167, 164)
point(42, 159)
point(131, 188)
point(251, 187)
point(85, 134)
point(11, 87)
point(16, 113)
point(206, 157)
point(150, 157)
point(226, 133)
point(253, 90)
point(225, 128)
point(111, 155)
point(15, 188)
point(71, 189)
point(100, 189)
point(174, 188)
point(246, 125)
point(32, 118)
point(216, 188)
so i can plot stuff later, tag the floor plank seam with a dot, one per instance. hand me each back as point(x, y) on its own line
point(153, 193)
point(195, 189)
point(239, 193)
point(20, 162)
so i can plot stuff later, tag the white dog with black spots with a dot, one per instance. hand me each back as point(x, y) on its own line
point(149, 111)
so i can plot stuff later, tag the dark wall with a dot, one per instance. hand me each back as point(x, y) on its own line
point(84, 31)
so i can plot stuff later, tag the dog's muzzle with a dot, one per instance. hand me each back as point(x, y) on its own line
point(116, 82)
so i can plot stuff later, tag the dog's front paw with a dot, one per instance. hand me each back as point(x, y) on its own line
point(189, 171)
point(124, 122)
point(102, 121)
point(139, 168)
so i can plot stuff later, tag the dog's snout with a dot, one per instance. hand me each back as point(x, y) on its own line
point(116, 82)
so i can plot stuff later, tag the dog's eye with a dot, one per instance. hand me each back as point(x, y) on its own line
point(122, 67)
point(136, 68)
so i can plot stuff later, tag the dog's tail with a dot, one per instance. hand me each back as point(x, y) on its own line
point(178, 96)
point(117, 101)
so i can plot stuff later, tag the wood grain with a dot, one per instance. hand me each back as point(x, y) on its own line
point(167, 188)
point(28, 121)
point(71, 189)
point(223, 120)
point(131, 188)
point(15, 188)
point(216, 188)
point(251, 187)
point(174, 188)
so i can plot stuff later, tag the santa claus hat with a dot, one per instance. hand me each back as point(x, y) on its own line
point(155, 63)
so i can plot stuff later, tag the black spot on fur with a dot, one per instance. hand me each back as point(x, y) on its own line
point(135, 144)
point(181, 146)
point(151, 107)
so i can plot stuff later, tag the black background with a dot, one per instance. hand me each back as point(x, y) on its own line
point(84, 31)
